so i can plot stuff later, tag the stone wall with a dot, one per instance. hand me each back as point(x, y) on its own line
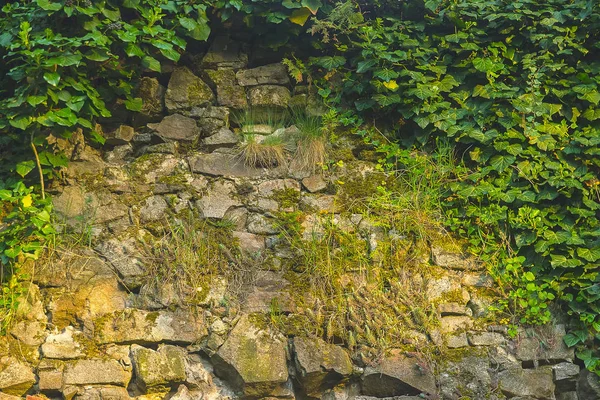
point(92, 328)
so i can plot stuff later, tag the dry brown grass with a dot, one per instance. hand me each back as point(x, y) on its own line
point(265, 152)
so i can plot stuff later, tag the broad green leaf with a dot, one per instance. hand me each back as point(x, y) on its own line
point(35, 100)
point(64, 60)
point(591, 255)
point(134, 104)
point(20, 123)
point(113, 15)
point(97, 55)
point(312, 5)
point(25, 167)
point(501, 162)
point(330, 63)
point(364, 66)
point(386, 74)
point(171, 54)
point(291, 4)
point(49, 5)
point(151, 63)
point(52, 78)
point(300, 16)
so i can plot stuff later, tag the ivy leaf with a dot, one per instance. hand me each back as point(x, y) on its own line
point(330, 63)
point(134, 104)
point(151, 63)
point(113, 15)
point(48, 6)
point(200, 32)
point(291, 4)
point(35, 100)
point(591, 255)
point(171, 54)
point(364, 66)
point(97, 55)
point(25, 167)
point(484, 64)
point(300, 16)
point(20, 123)
point(501, 162)
point(64, 60)
point(52, 78)
point(391, 85)
point(571, 340)
point(386, 74)
point(312, 5)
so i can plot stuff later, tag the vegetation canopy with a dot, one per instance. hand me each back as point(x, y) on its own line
point(512, 84)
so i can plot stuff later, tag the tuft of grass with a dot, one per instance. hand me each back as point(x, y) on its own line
point(310, 141)
point(252, 116)
point(189, 257)
point(258, 151)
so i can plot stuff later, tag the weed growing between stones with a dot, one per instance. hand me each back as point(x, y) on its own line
point(310, 141)
point(263, 151)
point(191, 257)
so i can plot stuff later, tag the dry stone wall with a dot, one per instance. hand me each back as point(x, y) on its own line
point(92, 328)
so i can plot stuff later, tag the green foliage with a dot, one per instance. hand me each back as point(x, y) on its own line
point(515, 85)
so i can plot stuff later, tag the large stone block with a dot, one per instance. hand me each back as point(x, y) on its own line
point(177, 127)
point(229, 93)
point(269, 96)
point(272, 74)
point(221, 197)
point(145, 327)
point(96, 372)
point(252, 359)
point(155, 370)
point(320, 365)
point(398, 375)
point(16, 378)
point(186, 90)
point(534, 383)
point(543, 343)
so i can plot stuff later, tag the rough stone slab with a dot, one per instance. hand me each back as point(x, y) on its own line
point(457, 341)
point(96, 372)
point(62, 346)
point(455, 323)
point(144, 327)
point(588, 385)
point(268, 287)
point(314, 183)
point(154, 209)
point(319, 203)
point(535, 383)
point(222, 138)
point(165, 367)
point(252, 359)
point(228, 164)
point(30, 333)
point(16, 378)
point(269, 96)
point(452, 259)
point(486, 338)
point(272, 74)
point(466, 374)
point(398, 375)
point(176, 127)
point(220, 113)
point(250, 243)
point(123, 255)
point(229, 92)
point(221, 197)
point(186, 90)
point(320, 365)
point(543, 343)
point(224, 53)
point(448, 309)
point(122, 135)
point(153, 96)
point(565, 370)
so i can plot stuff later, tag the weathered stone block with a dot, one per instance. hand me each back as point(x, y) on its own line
point(221, 197)
point(186, 90)
point(253, 359)
point(535, 383)
point(272, 74)
point(229, 92)
point(320, 365)
point(398, 375)
point(176, 127)
point(155, 370)
point(16, 378)
point(269, 96)
point(141, 327)
point(96, 372)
